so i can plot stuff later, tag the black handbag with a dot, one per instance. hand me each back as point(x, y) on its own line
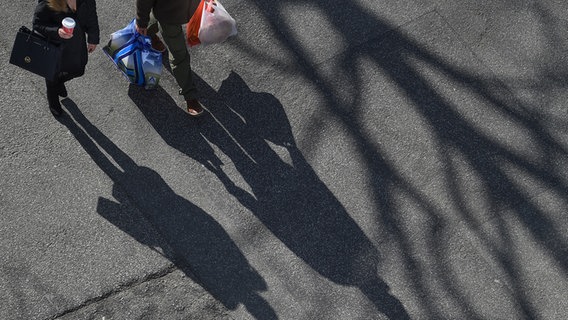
point(35, 53)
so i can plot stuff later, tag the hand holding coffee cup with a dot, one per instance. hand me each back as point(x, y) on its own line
point(68, 24)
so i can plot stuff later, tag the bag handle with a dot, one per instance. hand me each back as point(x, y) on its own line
point(132, 47)
point(34, 33)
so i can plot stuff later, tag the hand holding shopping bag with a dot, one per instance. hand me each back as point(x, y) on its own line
point(210, 24)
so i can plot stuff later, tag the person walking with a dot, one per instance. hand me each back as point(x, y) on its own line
point(167, 17)
point(83, 39)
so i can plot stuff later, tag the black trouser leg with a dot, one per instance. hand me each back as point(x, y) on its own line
point(53, 88)
point(64, 77)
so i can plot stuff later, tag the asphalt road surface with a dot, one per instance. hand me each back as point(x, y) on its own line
point(358, 160)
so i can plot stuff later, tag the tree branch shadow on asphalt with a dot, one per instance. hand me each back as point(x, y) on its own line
point(485, 155)
point(188, 236)
point(392, 51)
point(289, 199)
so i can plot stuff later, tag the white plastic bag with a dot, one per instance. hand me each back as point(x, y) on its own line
point(216, 23)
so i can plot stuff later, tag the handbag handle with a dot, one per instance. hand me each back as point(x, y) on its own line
point(33, 32)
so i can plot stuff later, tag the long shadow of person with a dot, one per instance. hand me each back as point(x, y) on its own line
point(189, 237)
point(175, 127)
point(288, 196)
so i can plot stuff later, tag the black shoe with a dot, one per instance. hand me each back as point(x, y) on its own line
point(54, 104)
point(62, 91)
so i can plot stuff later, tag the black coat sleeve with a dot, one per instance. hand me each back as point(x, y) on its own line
point(92, 23)
point(45, 21)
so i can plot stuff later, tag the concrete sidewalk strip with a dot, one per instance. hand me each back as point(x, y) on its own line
point(171, 296)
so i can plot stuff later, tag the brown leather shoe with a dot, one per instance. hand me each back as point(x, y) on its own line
point(157, 44)
point(194, 107)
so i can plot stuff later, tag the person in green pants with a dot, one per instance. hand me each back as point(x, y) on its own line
point(167, 17)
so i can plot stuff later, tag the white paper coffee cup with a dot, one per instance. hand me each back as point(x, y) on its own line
point(68, 24)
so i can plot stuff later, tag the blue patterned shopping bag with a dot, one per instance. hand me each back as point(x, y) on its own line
point(134, 56)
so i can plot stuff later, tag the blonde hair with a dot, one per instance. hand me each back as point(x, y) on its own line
point(57, 5)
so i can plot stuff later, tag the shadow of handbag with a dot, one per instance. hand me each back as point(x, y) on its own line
point(35, 53)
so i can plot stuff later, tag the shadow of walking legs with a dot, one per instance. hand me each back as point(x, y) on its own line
point(288, 196)
point(190, 238)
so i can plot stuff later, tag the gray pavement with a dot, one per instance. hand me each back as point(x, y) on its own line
point(360, 160)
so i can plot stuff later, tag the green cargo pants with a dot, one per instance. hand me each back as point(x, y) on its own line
point(174, 38)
